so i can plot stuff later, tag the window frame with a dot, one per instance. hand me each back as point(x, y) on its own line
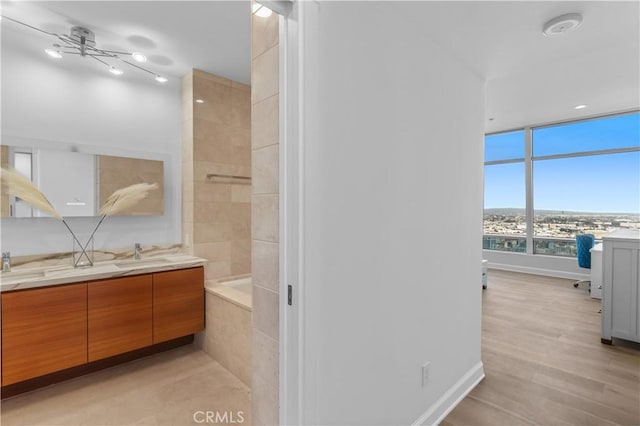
point(528, 167)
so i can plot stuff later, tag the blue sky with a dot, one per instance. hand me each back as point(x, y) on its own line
point(607, 183)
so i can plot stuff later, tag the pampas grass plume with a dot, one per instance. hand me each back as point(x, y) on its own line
point(24, 189)
point(127, 197)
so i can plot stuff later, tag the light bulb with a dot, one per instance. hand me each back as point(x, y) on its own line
point(161, 79)
point(199, 101)
point(139, 57)
point(263, 12)
point(53, 53)
point(115, 71)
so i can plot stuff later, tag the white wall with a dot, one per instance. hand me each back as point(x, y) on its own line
point(76, 105)
point(392, 217)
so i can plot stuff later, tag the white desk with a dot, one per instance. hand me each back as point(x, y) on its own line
point(596, 271)
point(621, 284)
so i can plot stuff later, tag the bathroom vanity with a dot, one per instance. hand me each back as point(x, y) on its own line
point(79, 320)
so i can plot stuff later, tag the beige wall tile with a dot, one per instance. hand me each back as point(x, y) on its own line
point(266, 353)
point(241, 220)
point(264, 217)
point(217, 101)
point(212, 150)
point(241, 137)
point(265, 122)
point(217, 251)
point(209, 192)
point(265, 264)
point(209, 131)
point(217, 269)
point(241, 193)
point(265, 170)
point(265, 311)
point(241, 108)
point(264, 75)
point(213, 212)
point(264, 33)
point(241, 257)
point(209, 232)
point(241, 155)
point(264, 403)
point(228, 336)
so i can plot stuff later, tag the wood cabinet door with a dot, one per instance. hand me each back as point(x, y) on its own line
point(178, 303)
point(120, 315)
point(43, 330)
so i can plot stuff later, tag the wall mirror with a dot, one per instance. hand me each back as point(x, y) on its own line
point(78, 183)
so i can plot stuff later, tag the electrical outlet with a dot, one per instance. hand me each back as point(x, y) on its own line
point(425, 373)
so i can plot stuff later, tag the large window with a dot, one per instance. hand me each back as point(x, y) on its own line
point(584, 178)
point(505, 224)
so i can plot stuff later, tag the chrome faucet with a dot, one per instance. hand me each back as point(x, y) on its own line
point(137, 250)
point(6, 261)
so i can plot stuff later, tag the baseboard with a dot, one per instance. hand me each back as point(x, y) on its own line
point(443, 406)
point(538, 271)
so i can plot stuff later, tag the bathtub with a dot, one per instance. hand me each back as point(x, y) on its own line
point(235, 289)
point(228, 331)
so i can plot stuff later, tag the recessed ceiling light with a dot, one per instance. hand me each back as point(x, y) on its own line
point(199, 101)
point(115, 71)
point(161, 79)
point(261, 11)
point(53, 53)
point(562, 24)
point(580, 106)
point(139, 57)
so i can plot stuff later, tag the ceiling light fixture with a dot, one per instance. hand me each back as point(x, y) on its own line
point(82, 41)
point(261, 11)
point(139, 57)
point(562, 24)
point(580, 106)
point(54, 53)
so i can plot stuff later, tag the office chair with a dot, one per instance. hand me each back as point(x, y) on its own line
point(584, 243)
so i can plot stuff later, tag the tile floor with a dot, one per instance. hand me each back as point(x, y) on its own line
point(164, 389)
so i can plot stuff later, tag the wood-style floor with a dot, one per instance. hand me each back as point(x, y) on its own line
point(174, 388)
point(543, 360)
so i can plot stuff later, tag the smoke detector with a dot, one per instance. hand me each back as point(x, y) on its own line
point(562, 24)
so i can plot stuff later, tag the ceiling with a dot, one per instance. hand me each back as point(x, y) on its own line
point(530, 79)
point(176, 36)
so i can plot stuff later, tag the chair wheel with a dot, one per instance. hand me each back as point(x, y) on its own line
point(576, 285)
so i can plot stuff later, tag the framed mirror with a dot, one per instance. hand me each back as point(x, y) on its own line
point(78, 183)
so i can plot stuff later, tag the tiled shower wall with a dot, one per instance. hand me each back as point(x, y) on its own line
point(216, 139)
point(265, 245)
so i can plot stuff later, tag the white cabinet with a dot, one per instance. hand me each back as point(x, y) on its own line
point(596, 271)
point(621, 281)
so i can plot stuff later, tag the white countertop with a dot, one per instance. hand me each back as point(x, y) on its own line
point(20, 279)
point(623, 234)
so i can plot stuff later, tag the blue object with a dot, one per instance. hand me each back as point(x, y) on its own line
point(584, 243)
